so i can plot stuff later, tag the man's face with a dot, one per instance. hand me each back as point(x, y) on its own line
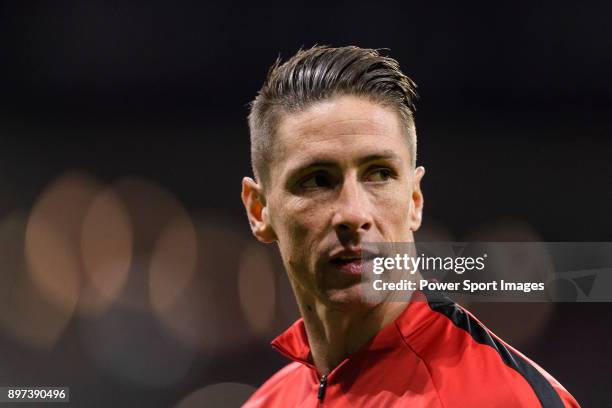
point(340, 176)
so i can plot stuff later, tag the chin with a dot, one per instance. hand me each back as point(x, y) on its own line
point(346, 298)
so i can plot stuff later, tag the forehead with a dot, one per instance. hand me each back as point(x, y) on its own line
point(338, 129)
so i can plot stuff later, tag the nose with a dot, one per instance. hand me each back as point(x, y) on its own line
point(352, 216)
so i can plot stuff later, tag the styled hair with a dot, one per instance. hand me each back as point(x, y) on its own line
point(320, 73)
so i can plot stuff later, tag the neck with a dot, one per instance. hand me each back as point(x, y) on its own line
point(334, 333)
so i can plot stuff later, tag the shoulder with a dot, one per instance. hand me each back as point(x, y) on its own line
point(468, 361)
point(275, 390)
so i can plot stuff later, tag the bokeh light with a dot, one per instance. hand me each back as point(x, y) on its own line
point(172, 262)
point(220, 243)
point(151, 208)
point(52, 241)
point(26, 315)
point(208, 314)
point(181, 299)
point(106, 249)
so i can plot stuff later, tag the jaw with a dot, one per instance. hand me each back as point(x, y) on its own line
point(322, 299)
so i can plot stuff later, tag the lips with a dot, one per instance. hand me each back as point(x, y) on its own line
point(350, 261)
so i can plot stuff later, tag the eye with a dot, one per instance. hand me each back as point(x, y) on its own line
point(317, 180)
point(379, 174)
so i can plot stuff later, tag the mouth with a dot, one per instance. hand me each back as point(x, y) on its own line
point(351, 262)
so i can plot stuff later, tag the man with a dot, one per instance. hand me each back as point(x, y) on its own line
point(333, 145)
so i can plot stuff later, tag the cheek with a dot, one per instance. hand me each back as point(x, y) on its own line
point(298, 224)
point(394, 215)
point(301, 231)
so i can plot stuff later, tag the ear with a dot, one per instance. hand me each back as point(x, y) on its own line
point(257, 212)
point(416, 200)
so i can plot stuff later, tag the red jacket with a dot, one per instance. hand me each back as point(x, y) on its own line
point(435, 354)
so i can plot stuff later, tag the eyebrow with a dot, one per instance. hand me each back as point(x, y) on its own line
point(382, 155)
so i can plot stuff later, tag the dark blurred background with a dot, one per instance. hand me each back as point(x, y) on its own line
point(127, 270)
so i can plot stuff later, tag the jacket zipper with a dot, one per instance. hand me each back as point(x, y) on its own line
point(322, 387)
